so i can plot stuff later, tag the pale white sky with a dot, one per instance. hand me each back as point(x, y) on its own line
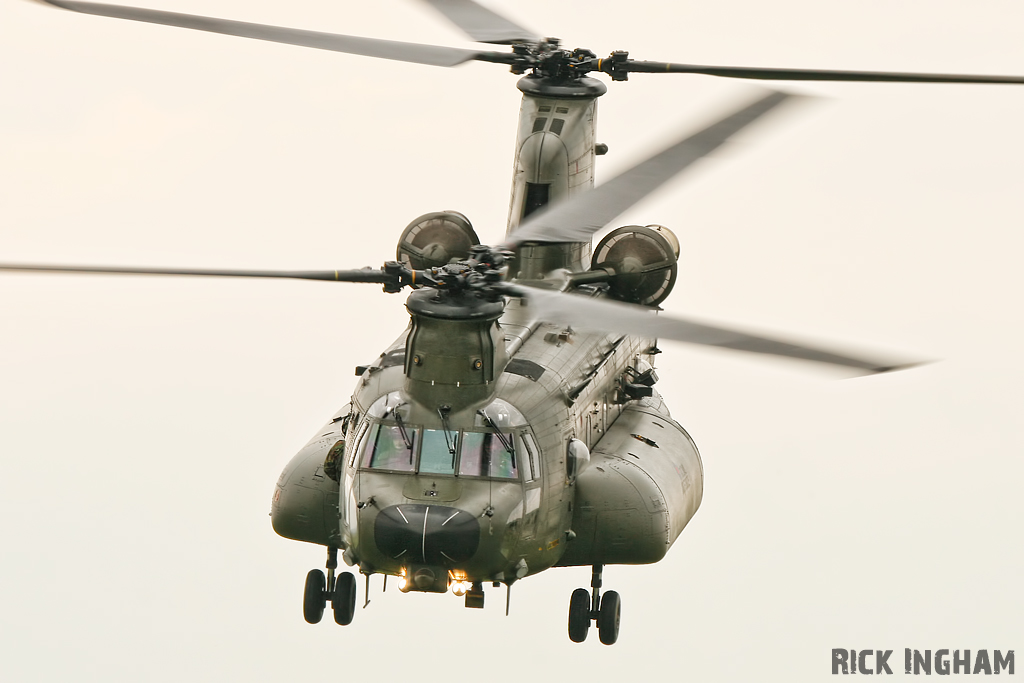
point(143, 423)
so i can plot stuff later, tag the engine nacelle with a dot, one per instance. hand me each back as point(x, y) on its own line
point(434, 239)
point(643, 262)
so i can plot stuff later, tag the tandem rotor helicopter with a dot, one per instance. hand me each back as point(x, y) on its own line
point(515, 424)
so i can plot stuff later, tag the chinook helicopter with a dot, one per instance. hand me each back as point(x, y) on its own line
point(515, 425)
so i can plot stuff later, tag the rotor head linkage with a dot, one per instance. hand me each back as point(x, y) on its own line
point(485, 267)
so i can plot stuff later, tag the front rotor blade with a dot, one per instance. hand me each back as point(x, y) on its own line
point(364, 275)
point(759, 73)
point(602, 315)
point(481, 24)
point(432, 55)
point(577, 219)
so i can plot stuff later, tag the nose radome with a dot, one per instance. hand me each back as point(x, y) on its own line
point(428, 534)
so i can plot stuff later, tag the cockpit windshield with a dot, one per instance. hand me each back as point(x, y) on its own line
point(490, 448)
point(470, 454)
point(386, 448)
point(484, 455)
point(437, 454)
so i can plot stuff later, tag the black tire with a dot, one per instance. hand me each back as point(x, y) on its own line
point(343, 602)
point(608, 618)
point(579, 615)
point(314, 598)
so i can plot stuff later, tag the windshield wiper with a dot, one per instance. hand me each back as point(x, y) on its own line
point(449, 440)
point(506, 442)
point(401, 429)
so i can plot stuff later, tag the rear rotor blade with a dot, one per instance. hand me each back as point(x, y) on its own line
point(370, 47)
point(603, 315)
point(364, 275)
point(759, 73)
point(577, 219)
point(482, 24)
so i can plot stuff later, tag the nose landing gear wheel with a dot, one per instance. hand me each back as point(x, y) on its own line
point(343, 601)
point(314, 598)
point(579, 615)
point(608, 618)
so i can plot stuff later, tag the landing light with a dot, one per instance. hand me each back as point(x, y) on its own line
point(403, 582)
point(460, 587)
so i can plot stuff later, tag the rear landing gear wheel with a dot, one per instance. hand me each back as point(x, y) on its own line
point(579, 615)
point(314, 599)
point(608, 618)
point(343, 601)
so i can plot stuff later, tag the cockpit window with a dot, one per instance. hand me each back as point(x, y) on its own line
point(359, 442)
point(526, 448)
point(502, 413)
point(483, 455)
point(387, 449)
point(437, 454)
point(386, 405)
point(497, 447)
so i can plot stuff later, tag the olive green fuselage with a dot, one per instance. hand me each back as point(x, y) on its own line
point(462, 442)
point(626, 506)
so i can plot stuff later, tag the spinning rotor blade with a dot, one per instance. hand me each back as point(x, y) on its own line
point(482, 24)
point(364, 275)
point(759, 73)
point(576, 219)
point(370, 47)
point(603, 315)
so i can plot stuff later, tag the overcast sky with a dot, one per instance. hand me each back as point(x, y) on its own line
point(143, 422)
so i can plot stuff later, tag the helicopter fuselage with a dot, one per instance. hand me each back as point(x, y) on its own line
point(487, 445)
point(642, 484)
point(492, 440)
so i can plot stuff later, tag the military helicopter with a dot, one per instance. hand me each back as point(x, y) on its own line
point(515, 425)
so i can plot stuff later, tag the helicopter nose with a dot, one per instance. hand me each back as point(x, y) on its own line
point(428, 534)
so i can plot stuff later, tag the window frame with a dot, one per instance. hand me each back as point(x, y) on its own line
point(367, 458)
point(369, 432)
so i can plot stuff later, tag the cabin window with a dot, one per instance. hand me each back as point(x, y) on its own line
point(556, 126)
point(437, 452)
point(483, 455)
point(388, 449)
point(539, 125)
